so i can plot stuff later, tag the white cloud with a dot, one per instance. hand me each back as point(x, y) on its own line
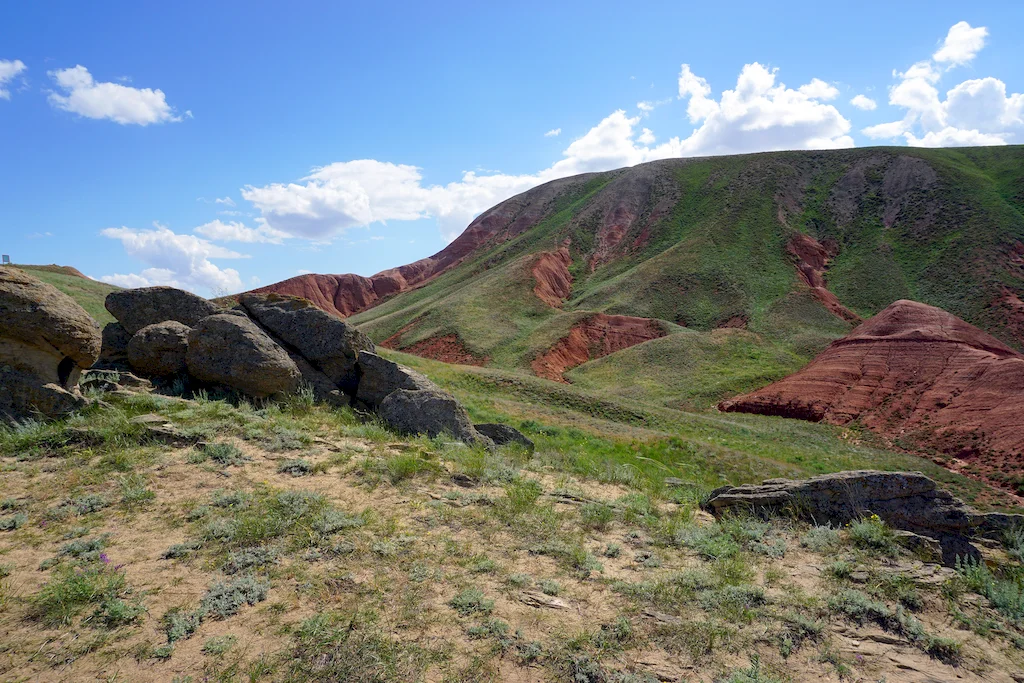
point(227, 201)
point(758, 115)
point(553, 133)
point(126, 105)
point(177, 260)
point(9, 70)
point(234, 231)
point(974, 112)
point(961, 44)
point(864, 103)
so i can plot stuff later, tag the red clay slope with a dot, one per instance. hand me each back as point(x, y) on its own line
point(348, 294)
point(551, 272)
point(917, 373)
point(594, 337)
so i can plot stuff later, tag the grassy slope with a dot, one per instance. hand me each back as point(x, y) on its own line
point(89, 294)
point(720, 253)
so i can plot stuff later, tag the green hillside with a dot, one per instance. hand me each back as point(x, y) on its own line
point(89, 293)
point(702, 244)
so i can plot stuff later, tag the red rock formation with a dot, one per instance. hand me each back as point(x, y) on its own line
point(813, 259)
point(554, 282)
point(915, 373)
point(594, 337)
point(448, 348)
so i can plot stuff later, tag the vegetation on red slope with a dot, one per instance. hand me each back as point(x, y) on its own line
point(594, 337)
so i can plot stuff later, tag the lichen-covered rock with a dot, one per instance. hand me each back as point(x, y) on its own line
point(904, 500)
point(233, 351)
point(503, 435)
point(431, 412)
point(378, 377)
point(330, 344)
point(158, 350)
point(137, 308)
point(114, 347)
point(46, 340)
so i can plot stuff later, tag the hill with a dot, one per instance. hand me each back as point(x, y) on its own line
point(735, 271)
point(89, 293)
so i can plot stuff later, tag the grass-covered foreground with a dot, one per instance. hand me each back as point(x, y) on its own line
point(294, 542)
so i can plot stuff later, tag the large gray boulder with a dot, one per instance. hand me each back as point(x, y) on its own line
point(233, 351)
point(46, 340)
point(330, 344)
point(114, 347)
point(137, 308)
point(904, 500)
point(431, 412)
point(158, 350)
point(379, 377)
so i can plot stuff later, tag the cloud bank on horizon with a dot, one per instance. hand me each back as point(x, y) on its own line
point(758, 113)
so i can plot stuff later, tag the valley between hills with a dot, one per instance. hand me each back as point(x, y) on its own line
point(628, 356)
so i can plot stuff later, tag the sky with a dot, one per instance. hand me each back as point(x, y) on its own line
point(222, 146)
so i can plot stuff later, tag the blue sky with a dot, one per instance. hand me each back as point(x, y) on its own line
point(219, 146)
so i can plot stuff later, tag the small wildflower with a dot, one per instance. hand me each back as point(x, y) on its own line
point(104, 559)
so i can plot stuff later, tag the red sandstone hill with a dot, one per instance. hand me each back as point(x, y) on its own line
point(917, 375)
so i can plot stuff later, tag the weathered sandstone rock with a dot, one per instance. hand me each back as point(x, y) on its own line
point(429, 412)
point(233, 351)
point(46, 340)
point(137, 308)
point(326, 341)
point(114, 347)
point(158, 350)
point(904, 500)
point(503, 434)
point(378, 377)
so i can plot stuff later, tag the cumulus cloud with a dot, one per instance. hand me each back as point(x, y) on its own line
point(553, 133)
point(174, 259)
point(864, 103)
point(82, 95)
point(9, 70)
point(974, 112)
point(961, 44)
point(235, 231)
point(759, 114)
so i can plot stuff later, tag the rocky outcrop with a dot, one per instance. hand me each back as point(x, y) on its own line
point(327, 342)
point(46, 340)
point(379, 377)
point(158, 350)
point(114, 347)
point(428, 411)
point(904, 500)
point(137, 308)
point(232, 350)
point(594, 337)
point(503, 435)
point(916, 373)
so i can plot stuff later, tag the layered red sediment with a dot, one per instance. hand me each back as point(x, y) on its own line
point(812, 260)
point(917, 375)
point(551, 272)
point(448, 348)
point(594, 337)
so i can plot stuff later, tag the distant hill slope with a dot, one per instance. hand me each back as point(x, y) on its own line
point(87, 292)
point(793, 247)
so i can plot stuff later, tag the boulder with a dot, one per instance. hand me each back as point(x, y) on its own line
point(114, 347)
point(330, 344)
point(158, 350)
point(233, 351)
point(909, 501)
point(378, 377)
point(137, 308)
point(46, 340)
point(428, 411)
point(503, 435)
